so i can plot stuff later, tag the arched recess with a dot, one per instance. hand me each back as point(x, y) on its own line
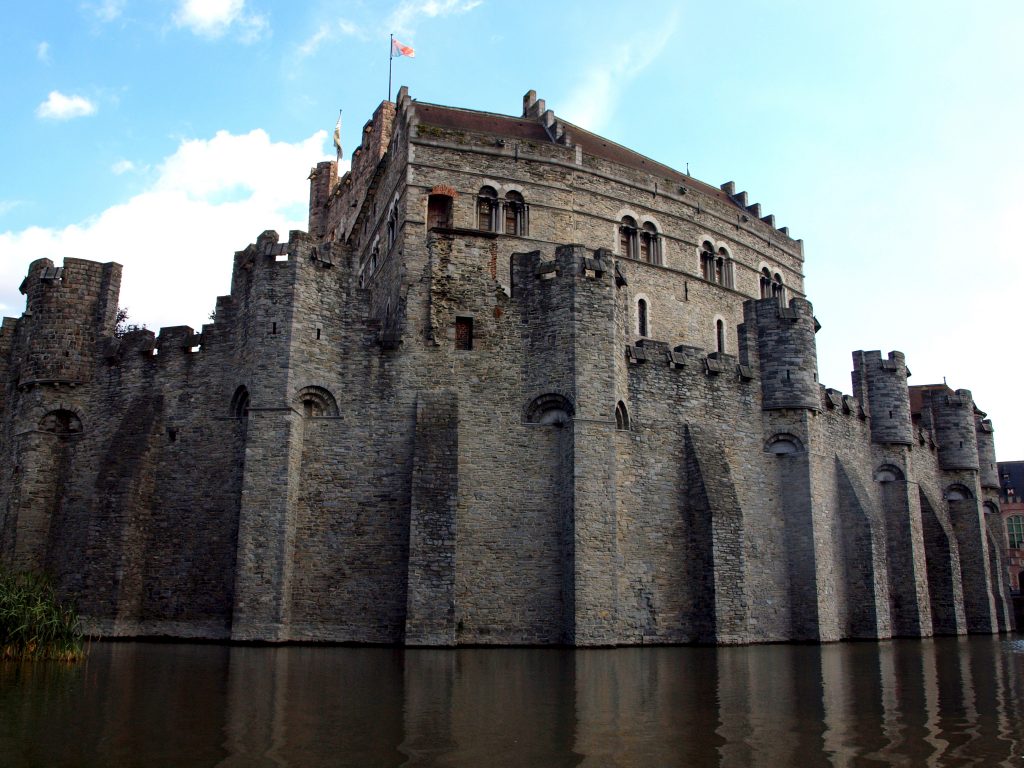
point(316, 402)
point(957, 492)
point(621, 416)
point(239, 408)
point(550, 409)
point(942, 562)
point(784, 444)
point(888, 473)
point(61, 422)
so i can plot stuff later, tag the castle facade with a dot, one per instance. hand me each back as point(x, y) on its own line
point(517, 384)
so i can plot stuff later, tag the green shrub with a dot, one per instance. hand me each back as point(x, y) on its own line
point(33, 622)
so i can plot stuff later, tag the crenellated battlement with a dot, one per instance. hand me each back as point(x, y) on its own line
point(500, 393)
point(880, 385)
point(780, 338)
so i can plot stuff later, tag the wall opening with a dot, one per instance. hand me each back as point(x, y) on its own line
point(464, 333)
point(439, 212)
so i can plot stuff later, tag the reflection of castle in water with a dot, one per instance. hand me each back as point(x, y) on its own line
point(516, 385)
point(942, 702)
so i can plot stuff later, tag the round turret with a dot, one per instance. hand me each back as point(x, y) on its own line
point(788, 356)
point(989, 473)
point(881, 385)
point(955, 434)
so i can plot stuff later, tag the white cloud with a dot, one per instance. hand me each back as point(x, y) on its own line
point(213, 18)
point(403, 19)
point(596, 99)
point(60, 107)
point(43, 52)
point(8, 205)
point(326, 32)
point(176, 239)
point(105, 10)
point(122, 167)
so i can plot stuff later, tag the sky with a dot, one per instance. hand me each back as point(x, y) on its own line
point(167, 134)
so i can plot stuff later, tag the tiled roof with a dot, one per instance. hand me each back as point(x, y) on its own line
point(530, 129)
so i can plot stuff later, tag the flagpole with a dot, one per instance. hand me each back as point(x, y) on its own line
point(391, 48)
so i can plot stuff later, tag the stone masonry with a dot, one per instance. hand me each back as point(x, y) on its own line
point(517, 384)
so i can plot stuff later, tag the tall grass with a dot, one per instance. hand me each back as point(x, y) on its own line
point(34, 624)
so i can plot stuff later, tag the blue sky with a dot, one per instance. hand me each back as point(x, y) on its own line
point(166, 135)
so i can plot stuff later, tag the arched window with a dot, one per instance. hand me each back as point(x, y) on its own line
point(61, 422)
point(374, 255)
point(650, 244)
point(240, 403)
point(887, 473)
point(515, 214)
point(957, 492)
point(627, 237)
point(317, 401)
point(487, 210)
point(707, 261)
point(1015, 531)
point(393, 225)
point(783, 444)
point(766, 284)
point(720, 336)
point(621, 416)
point(439, 212)
point(723, 269)
point(550, 409)
point(778, 290)
point(641, 317)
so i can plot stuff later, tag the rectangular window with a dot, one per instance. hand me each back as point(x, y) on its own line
point(464, 333)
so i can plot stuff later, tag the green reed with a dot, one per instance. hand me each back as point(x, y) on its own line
point(34, 624)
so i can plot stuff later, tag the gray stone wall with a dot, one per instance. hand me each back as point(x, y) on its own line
point(463, 436)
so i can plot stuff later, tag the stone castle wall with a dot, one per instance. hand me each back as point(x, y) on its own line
point(393, 432)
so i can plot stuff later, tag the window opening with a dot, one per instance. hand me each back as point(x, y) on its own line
point(641, 317)
point(707, 261)
point(720, 335)
point(464, 333)
point(439, 212)
point(240, 403)
point(628, 237)
point(650, 244)
point(1015, 531)
point(621, 416)
point(61, 422)
point(515, 214)
point(766, 284)
point(486, 209)
point(393, 225)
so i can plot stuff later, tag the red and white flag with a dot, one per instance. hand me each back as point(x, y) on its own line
point(397, 49)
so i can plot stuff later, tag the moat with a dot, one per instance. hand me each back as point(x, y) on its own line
point(947, 701)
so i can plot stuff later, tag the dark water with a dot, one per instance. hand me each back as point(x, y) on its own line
point(944, 702)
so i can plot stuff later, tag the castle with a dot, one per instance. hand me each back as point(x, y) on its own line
point(517, 384)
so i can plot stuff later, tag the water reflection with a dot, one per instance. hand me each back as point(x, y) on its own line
point(943, 702)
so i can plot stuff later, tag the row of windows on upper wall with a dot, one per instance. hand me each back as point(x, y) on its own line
point(509, 215)
point(771, 286)
point(641, 243)
point(716, 267)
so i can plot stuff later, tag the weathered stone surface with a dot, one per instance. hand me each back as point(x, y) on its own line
point(496, 395)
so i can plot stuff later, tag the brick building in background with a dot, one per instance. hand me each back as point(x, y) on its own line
point(1011, 497)
point(516, 384)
